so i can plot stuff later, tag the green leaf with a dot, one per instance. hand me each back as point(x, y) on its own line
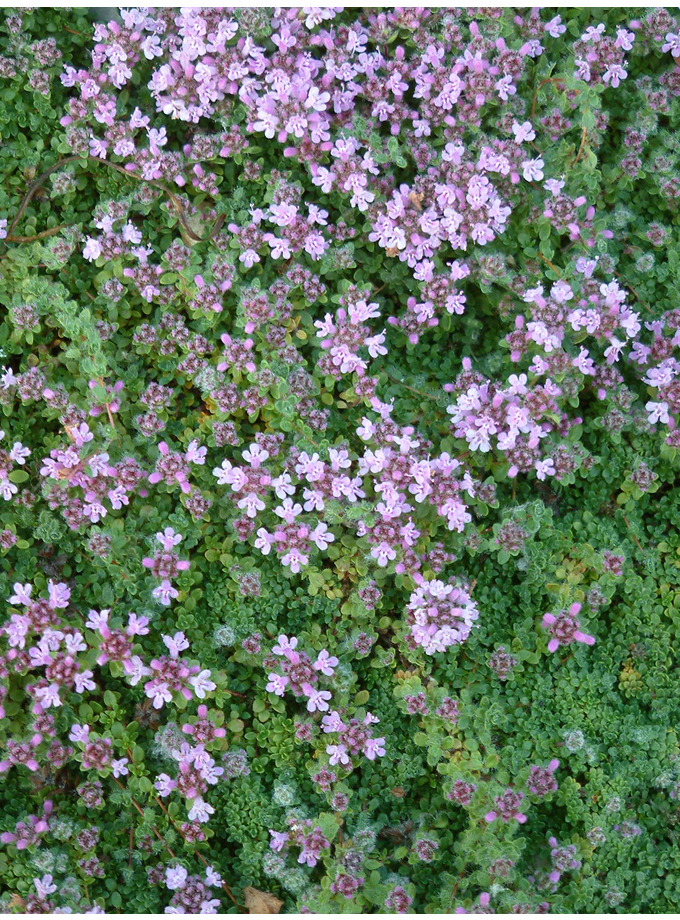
point(588, 119)
point(434, 754)
point(17, 476)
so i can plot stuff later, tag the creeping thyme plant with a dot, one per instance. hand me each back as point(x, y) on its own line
point(339, 400)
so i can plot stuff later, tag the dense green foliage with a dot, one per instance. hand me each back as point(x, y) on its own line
point(460, 725)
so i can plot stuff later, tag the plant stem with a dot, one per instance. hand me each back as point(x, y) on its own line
point(580, 149)
point(165, 844)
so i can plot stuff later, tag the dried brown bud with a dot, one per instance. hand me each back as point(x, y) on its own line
point(416, 199)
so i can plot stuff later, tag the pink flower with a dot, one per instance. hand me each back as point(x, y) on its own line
point(277, 684)
point(165, 593)
point(164, 785)
point(332, 722)
point(283, 215)
point(337, 754)
point(22, 594)
point(48, 696)
point(83, 681)
point(44, 886)
point(554, 28)
point(17, 630)
point(97, 620)
point(523, 132)
point(137, 626)
point(200, 811)
point(288, 511)
point(280, 246)
point(213, 878)
point(317, 699)
point(81, 434)
point(79, 733)
point(278, 841)
point(484, 898)
point(657, 412)
point(321, 536)
point(118, 497)
point(672, 44)
point(119, 767)
point(18, 453)
point(315, 245)
point(168, 538)
point(59, 595)
point(160, 694)
point(264, 541)
point(383, 553)
point(92, 249)
point(374, 747)
point(507, 808)
point(532, 170)
point(564, 628)
point(176, 644)
point(98, 148)
point(295, 559)
point(285, 645)
point(202, 684)
point(93, 509)
point(544, 468)
point(196, 454)
point(255, 455)
point(175, 877)
point(614, 74)
point(325, 663)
